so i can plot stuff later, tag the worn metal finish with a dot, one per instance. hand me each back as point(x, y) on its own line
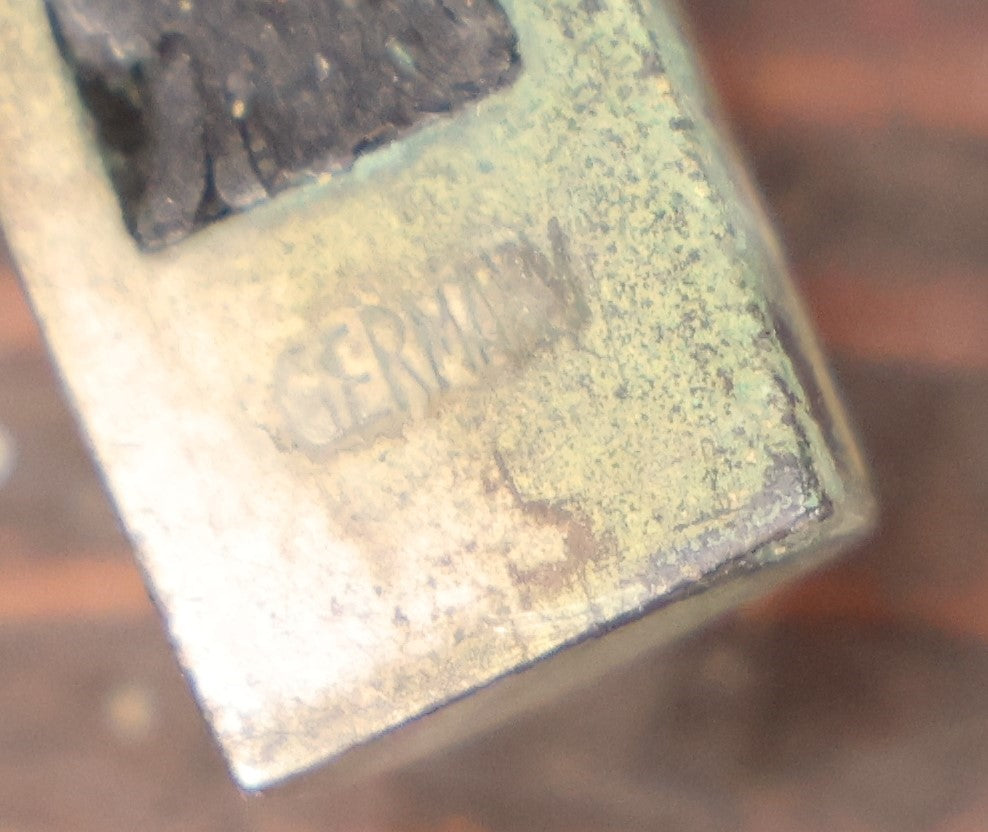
point(513, 380)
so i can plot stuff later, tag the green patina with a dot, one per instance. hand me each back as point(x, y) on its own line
point(632, 448)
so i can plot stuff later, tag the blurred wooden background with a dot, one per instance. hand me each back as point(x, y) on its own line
point(856, 700)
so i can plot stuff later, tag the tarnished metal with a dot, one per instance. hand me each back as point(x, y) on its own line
point(514, 379)
point(211, 106)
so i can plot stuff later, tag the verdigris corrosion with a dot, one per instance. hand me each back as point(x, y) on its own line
point(520, 376)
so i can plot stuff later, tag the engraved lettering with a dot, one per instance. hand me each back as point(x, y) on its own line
point(440, 338)
point(333, 342)
point(491, 337)
point(384, 361)
point(386, 333)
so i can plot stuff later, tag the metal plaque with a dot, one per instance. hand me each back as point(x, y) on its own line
point(472, 395)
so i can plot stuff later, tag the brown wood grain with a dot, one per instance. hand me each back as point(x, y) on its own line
point(85, 586)
point(938, 322)
point(852, 701)
point(18, 331)
point(848, 62)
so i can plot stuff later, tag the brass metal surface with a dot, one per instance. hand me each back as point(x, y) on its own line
point(518, 377)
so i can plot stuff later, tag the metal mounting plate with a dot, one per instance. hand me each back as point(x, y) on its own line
point(512, 380)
